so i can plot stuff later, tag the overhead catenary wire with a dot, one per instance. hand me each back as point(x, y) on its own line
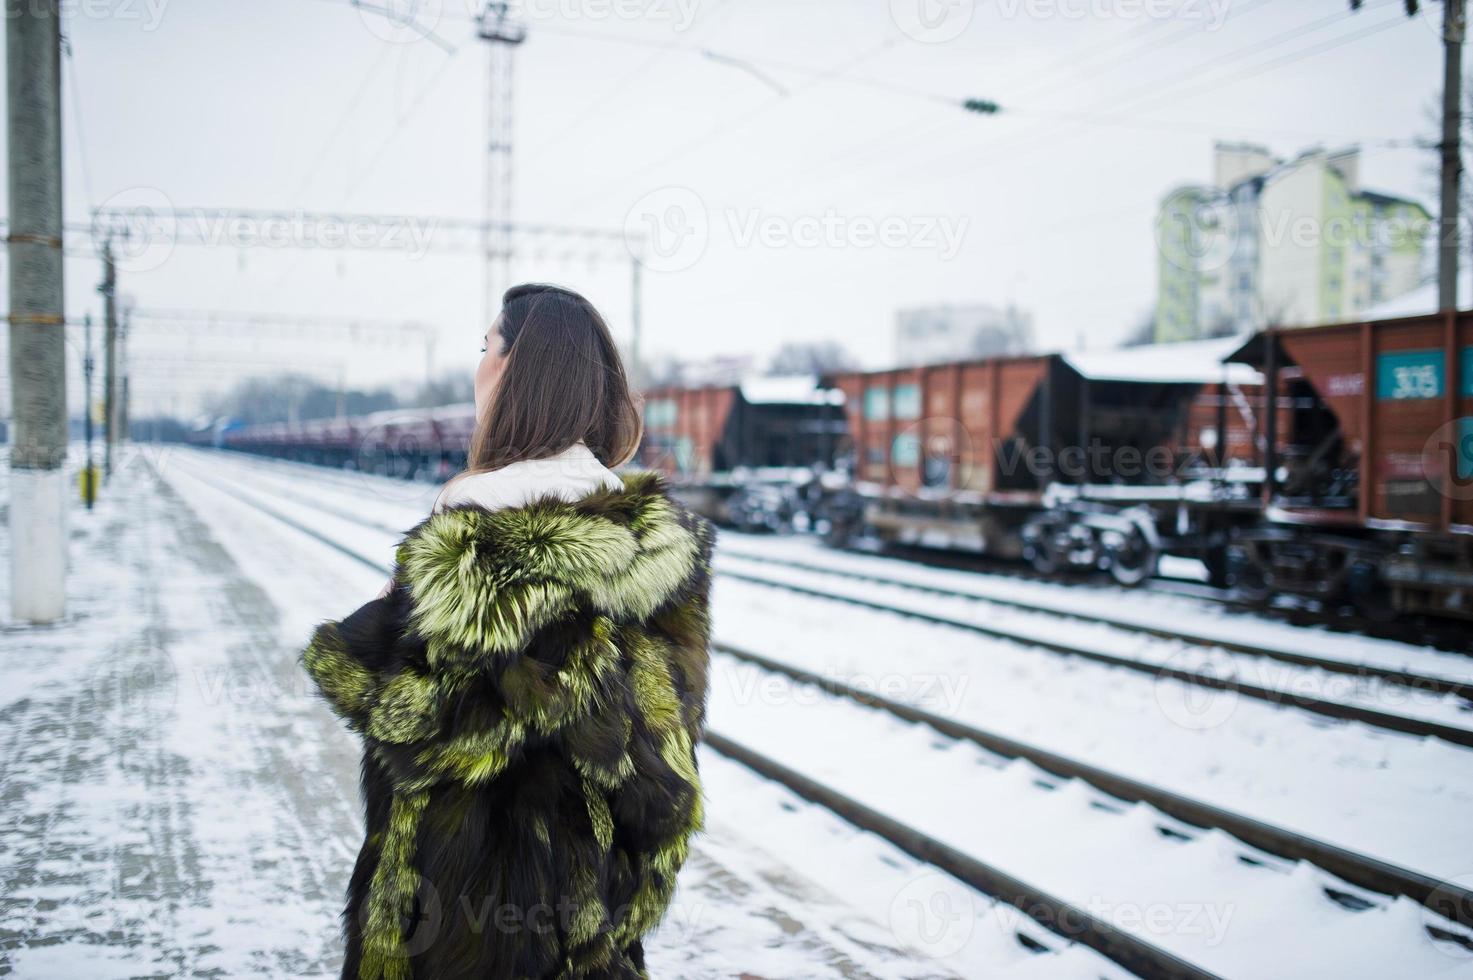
point(608, 94)
point(1022, 144)
point(360, 92)
point(1011, 108)
point(728, 126)
point(884, 144)
point(74, 90)
point(1052, 82)
point(1270, 65)
point(400, 122)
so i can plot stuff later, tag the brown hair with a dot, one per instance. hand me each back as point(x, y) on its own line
point(563, 381)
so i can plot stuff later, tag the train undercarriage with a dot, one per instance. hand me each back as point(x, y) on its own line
point(1383, 573)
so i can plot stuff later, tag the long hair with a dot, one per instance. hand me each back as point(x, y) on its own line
point(563, 381)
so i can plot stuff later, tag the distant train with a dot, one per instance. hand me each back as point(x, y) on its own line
point(1351, 482)
point(422, 444)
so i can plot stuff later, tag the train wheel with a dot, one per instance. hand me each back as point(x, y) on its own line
point(1132, 558)
point(1371, 596)
point(1247, 581)
point(1042, 548)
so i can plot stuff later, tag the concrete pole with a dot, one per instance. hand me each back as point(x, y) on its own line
point(124, 323)
point(37, 322)
point(1452, 161)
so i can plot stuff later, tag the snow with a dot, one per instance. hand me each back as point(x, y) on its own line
point(810, 897)
point(782, 888)
point(1201, 618)
point(1101, 855)
point(1188, 362)
point(1367, 789)
point(1088, 634)
point(147, 828)
point(789, 389)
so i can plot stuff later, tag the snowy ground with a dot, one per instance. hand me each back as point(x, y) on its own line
point(1390, 795)
point(166, 769)
point(177, 803)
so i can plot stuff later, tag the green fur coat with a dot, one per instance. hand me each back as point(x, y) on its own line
point(529, 695)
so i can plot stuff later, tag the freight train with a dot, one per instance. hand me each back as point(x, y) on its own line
point(1333, 463)
point(1368, 488)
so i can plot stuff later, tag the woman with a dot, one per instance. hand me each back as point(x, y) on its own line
point(531, 685)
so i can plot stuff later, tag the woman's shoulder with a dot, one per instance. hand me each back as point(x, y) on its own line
point(478, 489)
point(522, 482)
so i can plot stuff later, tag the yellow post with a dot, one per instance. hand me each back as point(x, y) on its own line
point(87, 483)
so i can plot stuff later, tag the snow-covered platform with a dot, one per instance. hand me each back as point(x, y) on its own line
point(177, 803)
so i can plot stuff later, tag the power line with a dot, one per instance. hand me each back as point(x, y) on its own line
point(360, 91)
point(75, 92)
point(357, 180)
point(1166, 93)
point(1083, 55)
point(1157, 44)
point(730, 125)
point(608, 95)
point(1297, 56)
point(1272, 42)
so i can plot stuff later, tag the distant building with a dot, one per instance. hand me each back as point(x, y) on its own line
point(1286, 243)
point(931, 334)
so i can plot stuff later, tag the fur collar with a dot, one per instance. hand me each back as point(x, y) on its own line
point(482, 582)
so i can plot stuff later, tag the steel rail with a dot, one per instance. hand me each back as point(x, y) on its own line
point(1421, 682)
point(1320, 706)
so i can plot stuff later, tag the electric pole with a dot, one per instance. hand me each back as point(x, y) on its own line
point(1449, 147)
point(109, 288)
point(120, 427)
point(37, 321)
point(1452, 161)
point(89, 474)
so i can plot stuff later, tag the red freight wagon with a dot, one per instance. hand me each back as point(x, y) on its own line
point(1372, 495)
point(934, 427)
point(743, 453)
point(1087, 459)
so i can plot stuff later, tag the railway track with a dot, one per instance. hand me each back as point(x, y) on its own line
point(1420, 682)
point(1064, 919)
point(1290, 610)
point(1286, 695)
point(1447, 899)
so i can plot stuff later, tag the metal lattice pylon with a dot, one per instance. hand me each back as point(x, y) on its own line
point(504, 35)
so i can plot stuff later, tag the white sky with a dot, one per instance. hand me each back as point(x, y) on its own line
point(285, 104)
